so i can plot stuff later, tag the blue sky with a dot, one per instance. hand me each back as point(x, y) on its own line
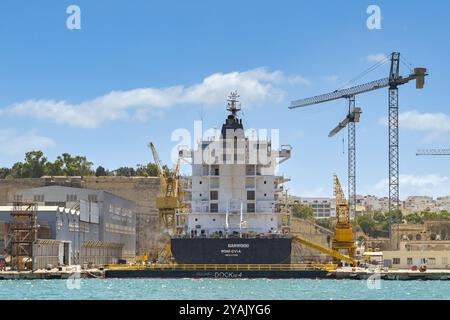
point(136, 71)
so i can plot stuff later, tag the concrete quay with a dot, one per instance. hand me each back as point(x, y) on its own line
point(392, 274)
point(51, 274)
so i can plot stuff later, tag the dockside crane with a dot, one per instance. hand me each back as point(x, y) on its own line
point(343, 246)
point(343, 232)
point(171, 199)
point(392, 82)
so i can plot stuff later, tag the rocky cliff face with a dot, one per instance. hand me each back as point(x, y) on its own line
point(308, 230)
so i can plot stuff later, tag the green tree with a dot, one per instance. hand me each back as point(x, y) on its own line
point(149, 170)
point(431, 215)
point(125, 172)
point(379, 216)
point(76, 166)
point(33, 166)
point(367, 224)
point(302, 211)
point(326, 223)
point(394, 216)
point(55, 168)
point(101, 172)
point(414, 218)
point(5, 173)
point(444, 214)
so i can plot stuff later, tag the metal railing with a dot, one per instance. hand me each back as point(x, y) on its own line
point(235, 267)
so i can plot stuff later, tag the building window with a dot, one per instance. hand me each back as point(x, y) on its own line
point(71, 198)
point(214, 195)
point(92, 198)
point(396, 261)
point(38, 198)
point(17, 197)
point(250, 195)
point(214, 207)
point(250, 207)
point(444, 261)
point(431, 261)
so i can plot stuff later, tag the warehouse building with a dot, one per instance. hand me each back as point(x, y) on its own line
point(87, 226)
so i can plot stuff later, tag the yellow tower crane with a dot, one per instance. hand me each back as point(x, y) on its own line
point(171, 199)
point(343, 235)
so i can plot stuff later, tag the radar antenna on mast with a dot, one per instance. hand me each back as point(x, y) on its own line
point(233, 104)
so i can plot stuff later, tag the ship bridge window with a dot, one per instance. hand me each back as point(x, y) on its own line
point(250, 194)
point(214, 207)
point(250, 207)
point(214, 195)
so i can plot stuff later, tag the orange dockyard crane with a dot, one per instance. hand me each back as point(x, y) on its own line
point(343, 232)
point(171, 199)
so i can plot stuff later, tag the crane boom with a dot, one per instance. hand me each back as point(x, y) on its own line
point(331, 252)
point(419, 74)
point(353, 116)
point(338, 94)
point(161, 172)
point(433, 152)
point(362, 88)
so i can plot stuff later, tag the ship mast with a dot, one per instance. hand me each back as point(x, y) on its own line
point(233, 103)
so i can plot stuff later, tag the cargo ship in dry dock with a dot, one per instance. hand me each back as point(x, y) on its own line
point(236, 208)
point(237, 224)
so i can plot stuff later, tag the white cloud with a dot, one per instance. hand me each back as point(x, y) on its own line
point(12, 143)
point(434, 125)
point(433, 185)
point(254, 86)
point(376, 57)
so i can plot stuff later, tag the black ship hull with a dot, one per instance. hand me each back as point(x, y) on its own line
point(231, 250)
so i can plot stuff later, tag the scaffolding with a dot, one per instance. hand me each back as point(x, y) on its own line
point(23, 231)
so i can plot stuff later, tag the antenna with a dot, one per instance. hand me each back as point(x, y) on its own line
point(233, 104)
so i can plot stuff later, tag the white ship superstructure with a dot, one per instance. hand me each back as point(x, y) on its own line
point(234, 190)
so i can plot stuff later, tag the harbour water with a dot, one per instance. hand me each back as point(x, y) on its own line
point(253, 289)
